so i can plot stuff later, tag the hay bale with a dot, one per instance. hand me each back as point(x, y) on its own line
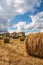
point(6, 40)
point(22, 38)
point(34, 44)
point(1, 37)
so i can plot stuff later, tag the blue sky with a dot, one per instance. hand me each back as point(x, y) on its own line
point(21, 15)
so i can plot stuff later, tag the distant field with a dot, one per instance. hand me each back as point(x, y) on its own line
point(14, 53)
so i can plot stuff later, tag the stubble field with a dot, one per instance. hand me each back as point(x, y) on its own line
point(14, 53)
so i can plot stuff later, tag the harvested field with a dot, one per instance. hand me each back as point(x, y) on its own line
point(14, 53)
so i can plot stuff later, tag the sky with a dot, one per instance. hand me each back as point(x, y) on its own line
point(21, 16)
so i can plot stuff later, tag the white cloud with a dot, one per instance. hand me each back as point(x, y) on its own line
point(38, 20)
point(10, 31)
point(19, 27)
point(14, 7)
point(35, 26)
point(18, 1)
point(11, 8)
point(8, 2)
point(3, 25)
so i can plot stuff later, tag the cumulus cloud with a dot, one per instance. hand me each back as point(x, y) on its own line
point(38, 21)
point(19, 27)
point(11, 8)
point(35, 26)
point(3, 25)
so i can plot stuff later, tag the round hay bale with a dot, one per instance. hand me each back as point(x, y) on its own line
point(22, 38)
point(34, 44)
point(6, 40)
point(1, 38)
